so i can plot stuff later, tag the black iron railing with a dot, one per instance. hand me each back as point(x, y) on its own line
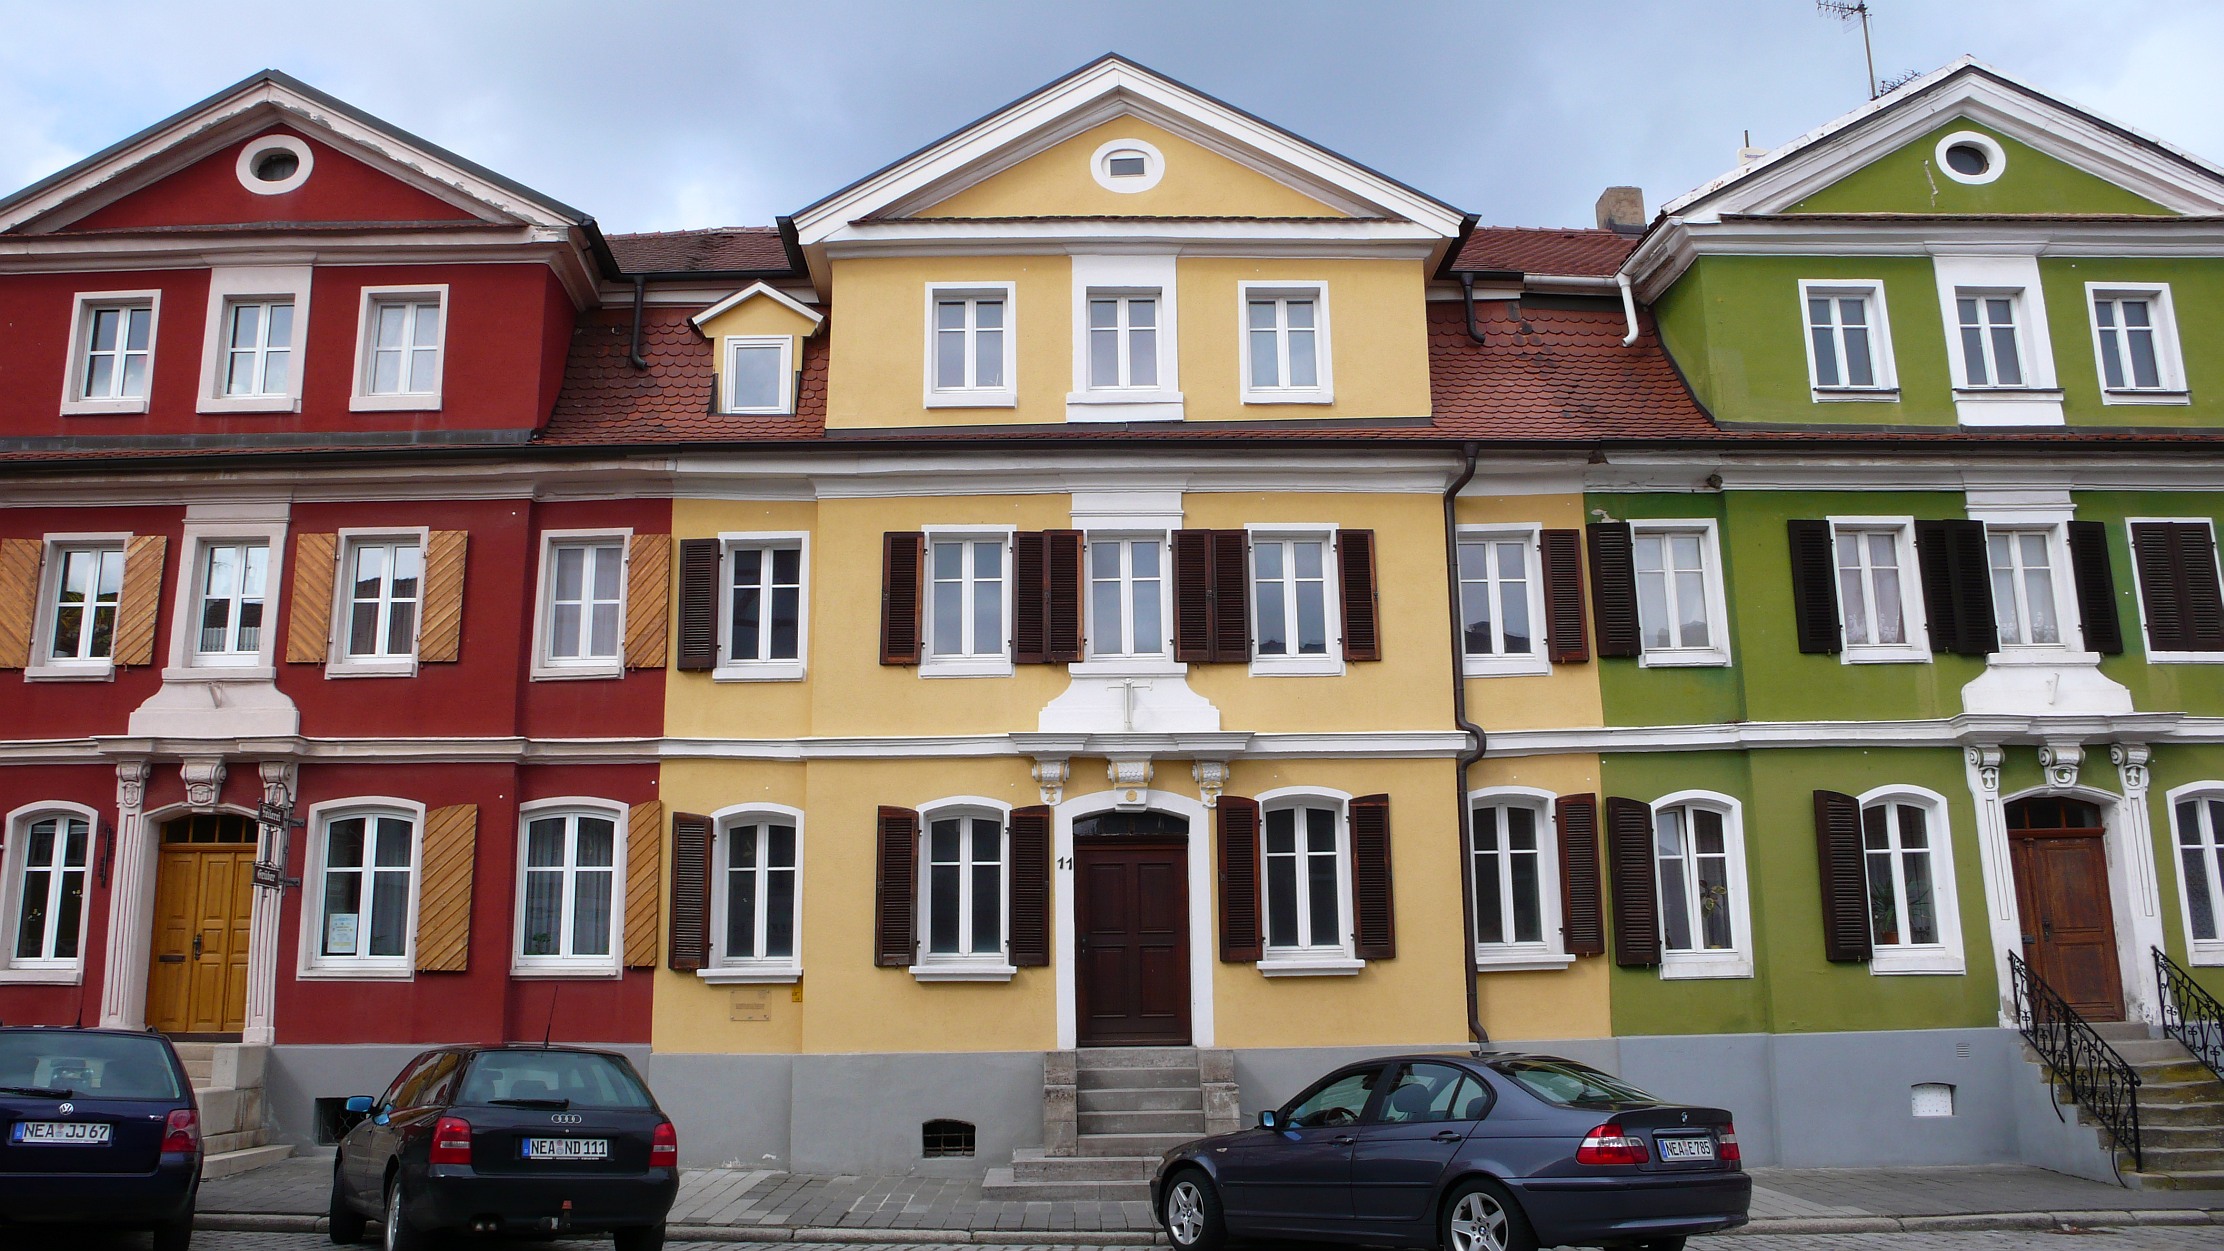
point(2099, 1079)
point(2190, 1015)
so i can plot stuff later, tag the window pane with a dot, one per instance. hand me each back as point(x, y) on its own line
point(590, 929)
point(949, 314)
point(1489, 925)
point(948, 621)
point(757, 380)
point(1261, 314)
point(1304, 369)
point(780, 914)
point(1860, 371)
point(1312, 618)
point(988, 909)
point(1322, 875)
point(949, 357)
point(1142, 358)
point(1298, 313)
point(1281, 878)
point(2200, 904)
point(2145, 371)
point(2111, 359)
point(544, 904)
point(1513, 595)
point(988, 358)
point(598, 840)
point(1884, 908)
point(1266, 366)
point(1528, 906)
point(1104, 358)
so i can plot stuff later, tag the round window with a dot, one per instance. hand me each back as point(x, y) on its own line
point(1127, 163)
point(1127, 166)
point(1969, 157)
point(274, 164)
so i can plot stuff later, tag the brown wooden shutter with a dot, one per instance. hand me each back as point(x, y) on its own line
point(444, 896)
point(1582, 922)
point(644, 857)
point(1614, 588)
point(19, 599)
point(691, 844)
point(315, 570)
point(440, 638)
point(2178, 586)
point(1231, 597)
point(648, 605)
point(896, 889)
point(2095, 577)
point(1374, 912)
point(140, 604)
point(1355, 559)
point(1029, 936)
point(1629, 852)
point(1192, 596)
point(1814, 586)
point(1061, 596)
point(698, 612)
point(1845, 887)
point(1562, 557)
point(1240, 940)
point(1028, 598)
point(1957, 586)
point(903, 557)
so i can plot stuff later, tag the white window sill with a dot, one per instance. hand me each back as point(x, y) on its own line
point(393, 667)
point(2006, 395)
point(1679, 966)
point(1683, 658)
point(966, 667)
point(204, 670)
point(1535, 665)
point(777, 410)
point(1307, 964)
point(69, 976)
point(248, 404)
point(71, 671)
point(1858, 395)
point(2153, 658)
point(2159, 396)
point(760, 671)
point(1296, 395)
point(369, 973)
point(742, 975)
point(1101, 406)
point(2205, 952)
point(1518, 959)
point(1128, 667)
point(589, 972)
point(612, 668)
point(963, 972)
point(2044, 655)
point(1328, 666)
point(972, 399)
point(1884, 654)
point(1896, 962)
point(394, 403)
point(103, 408)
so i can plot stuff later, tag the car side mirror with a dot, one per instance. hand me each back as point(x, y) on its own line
point(360, 1105)
point(1270, 1119)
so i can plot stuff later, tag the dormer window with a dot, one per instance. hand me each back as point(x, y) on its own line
point(759, 374)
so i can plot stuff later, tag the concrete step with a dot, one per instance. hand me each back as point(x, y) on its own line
point(2181, 1136)
point(2175, 1160)
point(2206, 1115)
point(232, 1163)
point(1138, 1079)
point(1146, 1099)
point(1029, 1164)
point(1000, 1185)
point(2172, 1071)
point(2202, 1090)
point(1152, 1145)
point(1190, 1121)
point(2152, 1050)
point(1090, 1058)
point(234, 1140)
point(225, 1110)
point(2123, 1031)
point(200, 1072)
point(2172, 1181)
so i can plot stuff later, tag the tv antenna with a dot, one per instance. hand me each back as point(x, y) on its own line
point(1855, 10)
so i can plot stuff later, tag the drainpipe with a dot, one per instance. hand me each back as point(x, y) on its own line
point(1629, 308)
point(1467, 294)
point(1470, 754)
point(640, 297)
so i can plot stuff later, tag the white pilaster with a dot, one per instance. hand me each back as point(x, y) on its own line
point(123, 984)
point(268, 900)
point(2134, 834)
point(1994, 861)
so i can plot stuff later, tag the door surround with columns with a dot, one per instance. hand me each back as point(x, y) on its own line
point(1201, 895)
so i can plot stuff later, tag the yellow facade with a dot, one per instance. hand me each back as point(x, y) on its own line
point(1197, 182)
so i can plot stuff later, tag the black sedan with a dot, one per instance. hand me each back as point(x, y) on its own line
point(1488, 1151)
point(508, 1140)
point(98, 1126)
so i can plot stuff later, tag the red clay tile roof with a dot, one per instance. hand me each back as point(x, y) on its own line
point(606, 400)
point(1546, 250)
point(1567, 376)
point(691, 251)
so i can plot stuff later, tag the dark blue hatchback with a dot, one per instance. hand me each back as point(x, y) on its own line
point(97, 1127)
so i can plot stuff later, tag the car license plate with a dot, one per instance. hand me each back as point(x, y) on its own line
point(1685, 1147)
point(60, 1134)
point(567, 1148)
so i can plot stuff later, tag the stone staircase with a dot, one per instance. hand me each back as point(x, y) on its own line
point(228, 1084)
point(2181, 1112)
point(1110, 1113)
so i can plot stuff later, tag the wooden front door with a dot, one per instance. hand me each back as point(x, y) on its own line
point(1131, 932)
point(2060, 853)
point(203, 899)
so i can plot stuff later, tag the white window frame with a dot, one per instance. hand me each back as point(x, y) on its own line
point(1944, 956)
point(2169, 358)
point(2201, 951)
point(1887, 384)
point(2018, 327)
point(2139, 594)
point(1316, 290)
point(1551, 952)
point(1154, 661)
point(43, 971)
point(962, 966)
point(1737, 960)
point(1154, 166)
point(723, 969)
point(75, 403)
point(1003, 396)
point(1913, 621)
point(339, 663)
point(232, 285)
point(43, 667)
point(362, 399)
point(312, 964)
point(611, 965)
point(730, 670)
point(729, 349)
point(214, 524)
point(997, 665)
point(1331, 662)
point(547, 667)
point(197, 578)
point(1337, 959)
point(1717, 652)
point(2069, 624)
point(1125, 274)
point(1501, 664)
point(2037, 401)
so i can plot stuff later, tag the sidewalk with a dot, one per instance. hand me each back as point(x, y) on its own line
point(763, 1206)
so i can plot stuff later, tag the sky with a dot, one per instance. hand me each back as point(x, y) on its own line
point(683, 114)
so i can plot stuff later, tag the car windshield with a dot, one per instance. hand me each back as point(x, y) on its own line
point(1569, 1084)
point(99, 1066)
point(579, 1078)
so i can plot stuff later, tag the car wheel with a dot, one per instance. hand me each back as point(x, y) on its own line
point(175, 1236)
point(400, 1234)
point(1191, 1213)
point(344, 1224)
point(1481, 1216)
point(649, 1239)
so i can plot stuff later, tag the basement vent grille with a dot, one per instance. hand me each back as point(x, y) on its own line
point(941, 1140)
point(1932, 1099)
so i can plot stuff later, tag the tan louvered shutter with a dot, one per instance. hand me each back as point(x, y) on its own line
point(644, 856)
point(1614, 588)
point(19, 599)
point(1582, 924)
point(440, 641)
point(1029, 941)
point(1562, 558)
point(648, 603)
point(444, 898)
point(315, 569)
point(902, 564)
point(1028, 598)
point(141, 601)
point(698, 611)
point(1239, 879)
point(896, 889)
point(1061, 596)
point(1355, 555)
point(1629, 851)
point(691, 840)
point(1845, 889)
point(1814, 586)
point(1374, 912)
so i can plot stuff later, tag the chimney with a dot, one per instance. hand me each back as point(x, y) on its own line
point(1622, 210)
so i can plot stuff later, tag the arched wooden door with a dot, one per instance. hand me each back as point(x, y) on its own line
point(2060, 851)
point(1131, 930)
point(203, 901)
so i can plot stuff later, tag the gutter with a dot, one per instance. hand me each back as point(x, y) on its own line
point(1629, 307)
point(1467, 297)
point(640, 296)
point(1469, 756)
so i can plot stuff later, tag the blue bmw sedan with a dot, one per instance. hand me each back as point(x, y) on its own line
point(1487, 1151)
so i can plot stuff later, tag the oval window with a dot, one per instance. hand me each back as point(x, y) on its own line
point(276, 165)
point(1968, 159)
point(1127, 163)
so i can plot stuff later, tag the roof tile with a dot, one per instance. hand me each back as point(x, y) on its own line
point(694, 251)
point(1546, 250)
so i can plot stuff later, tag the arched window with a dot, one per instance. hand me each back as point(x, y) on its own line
point(568, 914)
point(1304, 864)
point(962, 862)
point(363, 887)
point(1908, 856)
point(47, 852)
point(755, 888)
point(1699, 868)
point(1513, 857)
point(2197, 818)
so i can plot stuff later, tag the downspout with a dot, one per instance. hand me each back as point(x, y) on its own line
point(1467, 295)
point(640, 297)
point(1469, 754)
point(1629, 307)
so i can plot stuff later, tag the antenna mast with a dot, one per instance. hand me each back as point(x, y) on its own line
point(1851, 10)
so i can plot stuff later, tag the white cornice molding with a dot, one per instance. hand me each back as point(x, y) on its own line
point(752, 291)
point(2152, 727)
point(1095, 233)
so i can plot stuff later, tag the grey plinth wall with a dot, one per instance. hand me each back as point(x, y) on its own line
point(1061, 1107)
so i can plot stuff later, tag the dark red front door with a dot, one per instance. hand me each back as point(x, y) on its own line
point(2069, 928)
point(1131, 923)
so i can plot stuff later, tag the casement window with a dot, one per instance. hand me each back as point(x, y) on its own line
point(568, 891)
point(230, 586)
point(1286, 600)
point(2025, 602)
point(87, 588)
point(258, 347)
point(971, 355)
point(1123, 340)
point(1679, 885)
point(1303, 853)
point(1502, 603)
point(1849, 343)
point(1872, 585)
point(583, 595)
point(1305, 882)
point(961, 889)
point(401, 346)
point(1127, 596)
point(384, 580)
point(1899, 852)
point(1991, 343)
point(1885, 862)
point(754, 893)
point(115, 355)
point(1126, 358)
point(364, 874)
point(46, 857)
point(1678, 579)
point(2135, 339)
point(2180, 599)
point(257, 321)
point(763, 608)
point(2197, 820)
point(964, 603)
point(1857, 589)
point(1293, 613)
point(760, 374)
point(968, 592)
point(1285, 344)
point(1514, 867)
point(86, 603)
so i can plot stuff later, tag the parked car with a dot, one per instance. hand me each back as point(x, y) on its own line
point(97, 1126)
point(508, 1139)
point(1488, 1151)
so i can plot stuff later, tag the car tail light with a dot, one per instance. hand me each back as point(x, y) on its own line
point(451, 1141)
point(1610, 1144)
point(664, 1147)
point(1726, 1145)
point(181, 1134)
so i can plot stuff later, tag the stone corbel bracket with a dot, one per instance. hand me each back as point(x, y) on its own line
point(2061, 760)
